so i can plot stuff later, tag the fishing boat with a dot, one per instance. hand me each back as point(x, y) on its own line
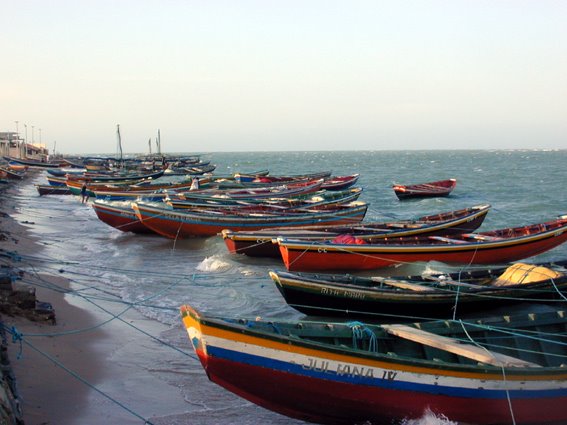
point(33, 163)
point(425, 190)
point(193, 170)
point(119, 186)
point(62, 172)
point(121, 177)
point(492, 247)
point(176, 223)
point(56, 181)
point(321, 199)
point(13, 174)
point(258, 179)
point(274, 191)
point(430, 295)
point(259, 243)
point(340, 182)
point(47, 189)
point(120, 215)
point(494, 370)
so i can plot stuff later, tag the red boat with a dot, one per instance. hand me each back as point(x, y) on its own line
point(497, 246)
point(120, 215)
point(494, 370)
point(259, 243)
point(340, 182)
point(186, 223)
point(425, 190)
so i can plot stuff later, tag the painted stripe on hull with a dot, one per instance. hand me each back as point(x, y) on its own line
point(123, 220)
point(302, 257)
point(391, 376)
point(308, 396)
point(173, 224)
point(257, 246)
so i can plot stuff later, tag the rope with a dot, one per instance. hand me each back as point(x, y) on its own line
point(502, 368)
point(19, 337)
point(16, 336)
point(360, 332)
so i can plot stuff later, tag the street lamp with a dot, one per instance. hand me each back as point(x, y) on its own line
point(26, 144)
point(32, 134)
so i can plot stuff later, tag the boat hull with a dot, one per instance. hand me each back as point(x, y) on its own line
point(327, 386)
point(180, 224)
point(440, 188)
point(261, 245)
point(122, 218)
point(316, 257)
point(346, 295)
point(47, 189)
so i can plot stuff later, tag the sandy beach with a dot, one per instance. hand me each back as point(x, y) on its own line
point(58, 367)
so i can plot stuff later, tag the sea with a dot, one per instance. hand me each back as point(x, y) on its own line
point(156, 275)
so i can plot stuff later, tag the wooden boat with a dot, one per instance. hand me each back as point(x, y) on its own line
point(62, 172)
point(32, 163)
point(450, 295)
point(280, 191)
point(56, 181)
point(424, 190)
point(47, 189)
point(322, 199)
point(130, 177)
point(122, 186)
point(250, 176)
point(12, 173)
point(194, 170)
point(259, 243)
point(248, 180)
point(495, 370)
point(154, 191)
point(120, 215)
point(340, 182)
point(493, 247)
point(186, 223)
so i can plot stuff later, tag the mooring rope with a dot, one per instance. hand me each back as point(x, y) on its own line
point(18, 336)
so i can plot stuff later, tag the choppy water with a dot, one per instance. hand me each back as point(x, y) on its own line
point(522, 186)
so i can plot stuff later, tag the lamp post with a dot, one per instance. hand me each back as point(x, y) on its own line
point(25, 144)
point(40, 136)
point(32, 134)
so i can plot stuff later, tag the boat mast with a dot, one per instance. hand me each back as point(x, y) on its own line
point(158, 142)
point(119, 143)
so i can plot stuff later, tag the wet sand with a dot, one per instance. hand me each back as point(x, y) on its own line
point(60, 365)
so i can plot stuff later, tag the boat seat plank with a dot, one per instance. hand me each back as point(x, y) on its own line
point(402, 284)
point(448, 240)
point(479, 237)
point(453, 282)
point(370, 229)
point(452, 345)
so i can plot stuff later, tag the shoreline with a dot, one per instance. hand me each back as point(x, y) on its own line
point(60, 368)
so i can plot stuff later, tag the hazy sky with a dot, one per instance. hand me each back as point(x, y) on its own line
point(245, 75)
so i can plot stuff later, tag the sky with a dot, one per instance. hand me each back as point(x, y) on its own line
point(266, 75)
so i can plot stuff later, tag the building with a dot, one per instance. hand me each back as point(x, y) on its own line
point(11, 144)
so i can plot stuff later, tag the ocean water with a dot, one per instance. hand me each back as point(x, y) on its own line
point(159, 275)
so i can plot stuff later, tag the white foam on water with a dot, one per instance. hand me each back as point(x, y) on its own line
point(429, 418)
point(213, 264)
